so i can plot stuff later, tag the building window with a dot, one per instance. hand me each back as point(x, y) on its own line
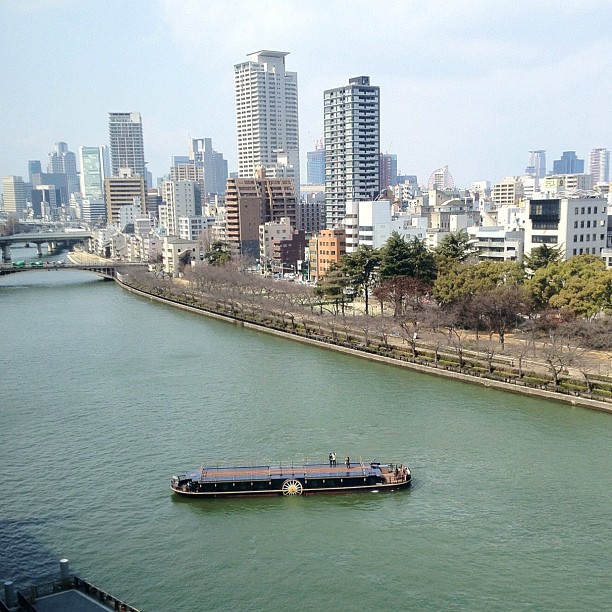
point(581, 239)
point(582, 210)
point(582, 224)
point(575, 238)
point(544, 225)
point(574, 252)
point(595, 209)
point(575, 224)
point(544, 239)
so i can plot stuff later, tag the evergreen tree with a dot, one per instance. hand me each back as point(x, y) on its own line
point(332, 288)
point(582, 285)
point(218, 254)
point(471, 279)
point(454, 248)
point(401, 257)
point(542, 256)
point(359, 268)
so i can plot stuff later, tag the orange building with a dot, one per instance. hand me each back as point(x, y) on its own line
point(326, 249)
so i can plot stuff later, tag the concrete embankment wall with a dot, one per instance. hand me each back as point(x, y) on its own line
point(425, 369)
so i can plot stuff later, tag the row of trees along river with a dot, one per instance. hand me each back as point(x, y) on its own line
point(544, 322)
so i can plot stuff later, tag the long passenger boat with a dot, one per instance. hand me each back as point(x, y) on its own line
point(303, 479)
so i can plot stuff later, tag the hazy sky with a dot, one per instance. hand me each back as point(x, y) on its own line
point(474, 84)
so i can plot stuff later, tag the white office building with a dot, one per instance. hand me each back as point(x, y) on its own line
point(179, 201)
point(371, 223)
point(192, 228)
point(352, 146)
point(599, 165)
point(576, 225)
point(496, 243)
point(13, 191)
point(93, 210)
point(267, 116)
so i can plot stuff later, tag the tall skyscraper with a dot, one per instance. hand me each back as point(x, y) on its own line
point(63, 161)
point(267, 116)
point(13, 191)
point(599, 165)
point(126, 143)
point(92, 177)
point(352, 146)
point(315, 167)
point(34, 167)
point(202, 154)
point(568, 164)
point(537, 164)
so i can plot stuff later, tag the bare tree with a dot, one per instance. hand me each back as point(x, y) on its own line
point(409, 331)
point(365, 324)
point(385, 328)
point(489, 349)
point(558, 356)
point(501, 308)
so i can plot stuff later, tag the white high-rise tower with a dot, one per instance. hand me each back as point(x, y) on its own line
point(352, 146)
point(599, 165)
point(126, 143)
point(267, 116)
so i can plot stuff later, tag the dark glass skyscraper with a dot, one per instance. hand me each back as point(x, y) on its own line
point(568, 164)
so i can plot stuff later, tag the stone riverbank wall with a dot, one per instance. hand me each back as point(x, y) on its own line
point(433, 369)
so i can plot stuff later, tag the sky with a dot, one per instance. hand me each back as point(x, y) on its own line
point(472, 84)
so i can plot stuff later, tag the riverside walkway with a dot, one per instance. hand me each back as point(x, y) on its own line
point(464, 374)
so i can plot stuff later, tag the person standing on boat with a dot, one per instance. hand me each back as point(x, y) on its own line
point(347, 462)
point(331, 459)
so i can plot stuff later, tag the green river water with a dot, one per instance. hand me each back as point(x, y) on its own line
point(106, 395)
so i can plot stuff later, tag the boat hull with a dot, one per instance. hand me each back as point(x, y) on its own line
point(264, 481)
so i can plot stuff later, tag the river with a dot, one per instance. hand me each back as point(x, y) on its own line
point(106, 395)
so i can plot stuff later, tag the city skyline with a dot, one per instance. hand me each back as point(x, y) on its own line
point(458, 83)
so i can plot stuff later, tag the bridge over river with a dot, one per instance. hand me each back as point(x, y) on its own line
point(52, 239)
point(105, 270)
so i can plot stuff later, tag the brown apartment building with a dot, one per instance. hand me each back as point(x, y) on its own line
point(250, 202)
point(123, 191)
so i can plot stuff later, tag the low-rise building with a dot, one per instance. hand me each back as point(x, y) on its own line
point(178, 253)
point(496, 243)
point(556, 183)
point(326, 250)
point(508, 192)
point(191, 228)
point(574, 224)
